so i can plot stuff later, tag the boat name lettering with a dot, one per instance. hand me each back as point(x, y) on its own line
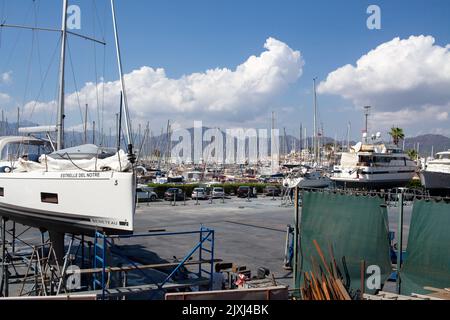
point(104, 222)
point(80, 175)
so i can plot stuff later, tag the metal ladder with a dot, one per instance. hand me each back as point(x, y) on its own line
point(100, 244)
point(204, 252)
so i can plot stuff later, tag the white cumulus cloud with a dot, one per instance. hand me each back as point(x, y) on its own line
point(239, 94)
point(4, 98)
point(6, 77)
point(405, 80)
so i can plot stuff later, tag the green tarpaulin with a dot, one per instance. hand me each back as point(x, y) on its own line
point(356, 227)
point(428, 251)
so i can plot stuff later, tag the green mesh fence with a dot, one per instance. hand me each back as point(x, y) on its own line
point(428, 253)
point(354, 227)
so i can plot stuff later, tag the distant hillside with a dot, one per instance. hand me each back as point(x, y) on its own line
point(427, 142)
point(8, 129)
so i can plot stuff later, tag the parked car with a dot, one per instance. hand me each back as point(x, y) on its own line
point(244, 191)
point(218, 192)
point(144, 194)
point(272, 191)
point(199, 193)
point(172, 193)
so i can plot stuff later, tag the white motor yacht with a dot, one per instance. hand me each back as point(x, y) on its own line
point(374, 166)
point(436, 175)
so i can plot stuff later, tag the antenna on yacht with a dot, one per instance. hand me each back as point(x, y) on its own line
point(366, 114)
point(131, 156)
point(348, 135)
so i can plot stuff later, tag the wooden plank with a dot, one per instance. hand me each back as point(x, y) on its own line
point(382, 295)
point(148, 266)
point(325, 290)
point(322, 257)
point(269, 293)
point(437, 290)
point(135, 290)
point(439, 295)
point(424, 297)
point(342, 290)
point(66, 297)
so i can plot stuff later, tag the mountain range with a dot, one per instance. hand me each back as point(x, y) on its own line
point(425, 144)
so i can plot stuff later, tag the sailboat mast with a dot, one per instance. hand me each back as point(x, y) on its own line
point(315, 121)
point(122, 82)
point(60, 117)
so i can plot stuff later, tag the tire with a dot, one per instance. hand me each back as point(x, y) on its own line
point(153, 198)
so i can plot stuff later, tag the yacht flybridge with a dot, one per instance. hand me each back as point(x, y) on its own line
point(76, 190)
point(374, 166)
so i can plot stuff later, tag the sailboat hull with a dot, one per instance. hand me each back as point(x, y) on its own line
point(76, 202)
point(371, 184)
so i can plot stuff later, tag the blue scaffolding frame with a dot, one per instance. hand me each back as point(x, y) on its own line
point(204, 247)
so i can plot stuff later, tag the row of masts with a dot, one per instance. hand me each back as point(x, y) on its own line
point(5, 128)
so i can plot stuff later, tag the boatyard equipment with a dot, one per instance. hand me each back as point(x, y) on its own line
point(47, 270)
point(354, 226)
point(5, 261)
point(204, 248)
point(287, 197)
point(428, 261)
point(32, 269)
point(289, 248)
point(323, 283)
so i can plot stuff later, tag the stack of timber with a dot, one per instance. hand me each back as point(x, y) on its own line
point(323, 285)
point(437, 294)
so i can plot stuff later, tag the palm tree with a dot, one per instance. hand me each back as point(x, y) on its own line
point(397, 135)
point(412, 154)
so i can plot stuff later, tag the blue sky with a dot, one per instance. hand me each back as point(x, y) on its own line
point(186, 37)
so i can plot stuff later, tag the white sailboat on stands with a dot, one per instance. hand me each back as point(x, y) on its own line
point(78, 190)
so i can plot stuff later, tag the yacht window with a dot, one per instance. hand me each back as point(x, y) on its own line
point(382, 159)
point(444, 156)
point(2, 192)
point(14, 150)
point(365, 160)
point(49, 197)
